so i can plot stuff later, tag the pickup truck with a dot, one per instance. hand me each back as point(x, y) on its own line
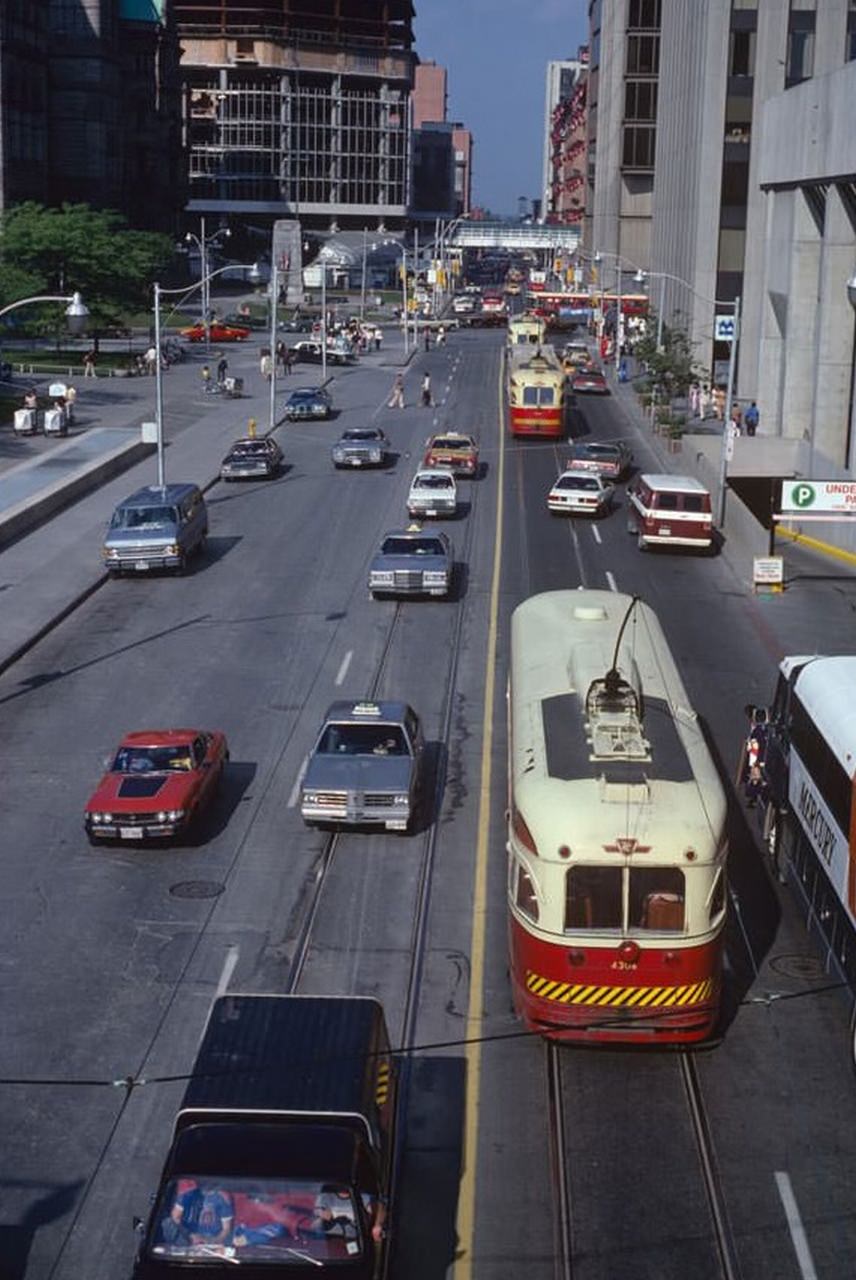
point(282, 1151)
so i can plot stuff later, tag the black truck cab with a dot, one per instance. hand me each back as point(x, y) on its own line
point(282, 1154)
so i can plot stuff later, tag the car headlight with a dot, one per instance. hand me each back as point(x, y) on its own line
point(382, 575)
point(338, 455)
point(436, 577)
point(375, 455)
point(171, 550)
point(310, 797)
point(402, 799)
point(111, 553)
point(98, 818)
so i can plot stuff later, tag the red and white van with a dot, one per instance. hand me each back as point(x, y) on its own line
point(671, 510)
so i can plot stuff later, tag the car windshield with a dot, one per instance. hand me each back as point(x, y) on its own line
point(445, 443)
point(143, 517)
point(578, 482)
point(250, 447)
point(433, 482)
point(601, 452)
point(356, 434)
point(350, 739)
point(412, 547)
point(175, 759)
point(263, 1221)
point(306, 395)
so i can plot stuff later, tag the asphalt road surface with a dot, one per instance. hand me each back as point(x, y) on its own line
point(516, 1159)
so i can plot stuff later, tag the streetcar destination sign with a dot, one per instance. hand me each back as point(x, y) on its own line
point(819, 497)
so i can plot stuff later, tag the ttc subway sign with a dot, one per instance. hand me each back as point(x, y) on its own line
point(723, 329)
point(819, 497)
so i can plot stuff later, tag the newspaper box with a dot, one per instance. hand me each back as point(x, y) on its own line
point(25, 422)
point(55, 424)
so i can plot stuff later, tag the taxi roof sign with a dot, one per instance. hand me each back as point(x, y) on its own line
point(365, 709)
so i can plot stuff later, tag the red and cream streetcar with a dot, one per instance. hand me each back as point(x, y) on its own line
point(535, 384)
point(616, 837)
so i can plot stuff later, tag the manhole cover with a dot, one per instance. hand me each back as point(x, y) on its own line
point(806, 967)
point(197, 889)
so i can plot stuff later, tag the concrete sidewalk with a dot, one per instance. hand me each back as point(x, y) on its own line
point(45, 574)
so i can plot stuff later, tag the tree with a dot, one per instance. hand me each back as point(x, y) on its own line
point(76, 248)
point(671, 366)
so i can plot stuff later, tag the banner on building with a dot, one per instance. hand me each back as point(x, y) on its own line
point(287, 255)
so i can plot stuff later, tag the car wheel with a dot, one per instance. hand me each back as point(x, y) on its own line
point(641, 543)
point(181, 567)
point(631, 527)
point(92, 840)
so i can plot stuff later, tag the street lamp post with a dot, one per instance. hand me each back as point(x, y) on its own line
point(76, 312)
point(363, 280)
point(274, 299)
point(159, 292)
point(727, 441)
point(323, 321)
point(203, 243)
point(851, 425)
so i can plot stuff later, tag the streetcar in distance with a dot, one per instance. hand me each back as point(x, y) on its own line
point(809, 762)
point(616, 834)
point(526, 330)
point(535, 384)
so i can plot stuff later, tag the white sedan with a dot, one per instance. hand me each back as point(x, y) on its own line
point(432, 493)
point(578, 492)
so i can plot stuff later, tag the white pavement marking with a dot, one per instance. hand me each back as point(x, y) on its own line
point(295, 790)
point(611, 580)
point(596, 534)
point(795, 1226)
point(229, 966)
point(343, 670)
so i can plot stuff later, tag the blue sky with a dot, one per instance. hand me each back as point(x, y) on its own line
point(496, 53)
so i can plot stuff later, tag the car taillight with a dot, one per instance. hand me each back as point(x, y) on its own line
point(521, 831)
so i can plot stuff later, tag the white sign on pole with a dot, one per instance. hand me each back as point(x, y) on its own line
point(816, 497)
point(723, 329)
point(768, 571)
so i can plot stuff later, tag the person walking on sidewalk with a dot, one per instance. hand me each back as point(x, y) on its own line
point(704, 401)
point(426, 391)
point(737, 417)
point(222, 367)
point(89, 363)
point(396, 400)
point(751, 418)
point(695, 398)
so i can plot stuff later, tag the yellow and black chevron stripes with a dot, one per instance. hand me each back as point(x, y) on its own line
point(384, 1070)
point(626, 997)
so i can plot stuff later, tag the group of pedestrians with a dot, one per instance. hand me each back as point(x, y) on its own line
point(706, 402)
point(396, 398)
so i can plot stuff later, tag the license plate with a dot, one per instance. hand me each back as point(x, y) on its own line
point(665, 531)
point(355, 462)
point(142, 565)
point(430, 511)
point(131, 833)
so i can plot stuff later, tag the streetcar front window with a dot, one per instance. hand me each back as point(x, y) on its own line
point(526, 900)
point(656, 899)
point(546, 395)
point(530, 395)
point(593, 898)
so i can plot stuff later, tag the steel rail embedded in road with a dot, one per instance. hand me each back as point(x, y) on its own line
point(723, 1235)
point(559, 1184)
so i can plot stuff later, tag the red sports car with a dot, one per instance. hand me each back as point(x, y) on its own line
point(219, 333)
point(590, 379)
point(157, 785)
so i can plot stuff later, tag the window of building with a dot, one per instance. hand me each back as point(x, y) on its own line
point(735, 183)
point(850, 41)
point(640, 100)
point(803, 5)
point(799, 63)
point(741, 55)
point(638, 149)
point(744, 4)
point(644, 15)
point(738, 118)
point(643, 55)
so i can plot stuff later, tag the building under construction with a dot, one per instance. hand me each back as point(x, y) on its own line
point(298, 108)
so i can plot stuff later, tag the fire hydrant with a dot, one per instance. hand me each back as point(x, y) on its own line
point(251, 428)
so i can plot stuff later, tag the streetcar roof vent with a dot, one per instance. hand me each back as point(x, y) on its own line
point(613, 720)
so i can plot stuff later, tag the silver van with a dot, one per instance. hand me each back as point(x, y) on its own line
point(156, 528)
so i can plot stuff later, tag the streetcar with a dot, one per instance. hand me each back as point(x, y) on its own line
point(808, 766)
point(616, 833)
point(535, 384)
point(525, 330)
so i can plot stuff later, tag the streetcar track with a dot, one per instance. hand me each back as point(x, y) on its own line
point(723, 1234)
point(559, 1185)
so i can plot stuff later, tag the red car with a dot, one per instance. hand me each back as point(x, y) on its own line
point(219, 333)
point(589, 380)
point(157, 785)
point(455, 452)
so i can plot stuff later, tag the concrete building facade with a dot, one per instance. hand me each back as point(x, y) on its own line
point(561, 79)
point(298, 109)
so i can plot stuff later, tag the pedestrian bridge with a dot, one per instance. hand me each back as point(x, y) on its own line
point(504, 235)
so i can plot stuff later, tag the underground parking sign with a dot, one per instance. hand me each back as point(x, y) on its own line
point(819, 497)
